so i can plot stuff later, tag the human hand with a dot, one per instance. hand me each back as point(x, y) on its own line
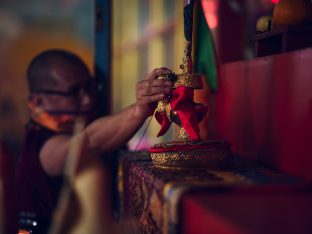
point(151, 90)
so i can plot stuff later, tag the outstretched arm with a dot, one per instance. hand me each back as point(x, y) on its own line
point(108, 133)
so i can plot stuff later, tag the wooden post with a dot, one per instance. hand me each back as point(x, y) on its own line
point(103, 54)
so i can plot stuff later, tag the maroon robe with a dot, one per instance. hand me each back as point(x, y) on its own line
point(37, 192)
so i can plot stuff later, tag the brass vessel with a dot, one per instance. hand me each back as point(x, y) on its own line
point(185, 152)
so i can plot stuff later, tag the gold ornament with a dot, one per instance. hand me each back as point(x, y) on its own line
point(183, 152)
point(209, 157)
point(189, 80)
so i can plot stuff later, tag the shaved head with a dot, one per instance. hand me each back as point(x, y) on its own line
point(41, 73)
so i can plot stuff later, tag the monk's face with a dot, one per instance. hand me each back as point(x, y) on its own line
point(73, 92)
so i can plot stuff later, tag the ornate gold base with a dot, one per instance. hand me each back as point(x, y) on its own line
point(194, 154)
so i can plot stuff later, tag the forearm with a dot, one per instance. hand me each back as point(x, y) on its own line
point(111, 132)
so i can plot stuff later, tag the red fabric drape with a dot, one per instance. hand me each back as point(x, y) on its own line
point(182, 103)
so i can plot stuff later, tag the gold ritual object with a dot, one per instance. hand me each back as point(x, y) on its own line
point(184, 152)
point(187, 150)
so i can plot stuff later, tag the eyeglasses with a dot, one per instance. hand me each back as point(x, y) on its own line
point(90, 86)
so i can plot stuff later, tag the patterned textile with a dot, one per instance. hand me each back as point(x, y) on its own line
point(150, 195)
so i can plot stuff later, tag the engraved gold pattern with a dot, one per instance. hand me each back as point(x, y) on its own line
point(164, 108)
point(161, 106)
point(185, 157)
point(153, 194)
point(186, 58)
point(191, 158)
point(189, 80)
point(182, 135)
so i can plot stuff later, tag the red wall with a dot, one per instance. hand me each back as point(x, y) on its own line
point(264, 108)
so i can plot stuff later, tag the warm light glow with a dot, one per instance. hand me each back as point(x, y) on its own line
point(275, 1)
point(212, 20)
point(209, 5)
point(210, 8)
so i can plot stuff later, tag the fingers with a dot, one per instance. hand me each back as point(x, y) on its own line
point(142, 100)
point(152, 86)
point(158, 72)
point(150, 90)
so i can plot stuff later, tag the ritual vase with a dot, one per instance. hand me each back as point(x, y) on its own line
point(188, 150)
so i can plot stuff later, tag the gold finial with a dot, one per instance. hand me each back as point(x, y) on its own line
point(186, 65)
point(182, 135)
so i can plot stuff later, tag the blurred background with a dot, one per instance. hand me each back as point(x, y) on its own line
point(145, 34)
point(27, 28)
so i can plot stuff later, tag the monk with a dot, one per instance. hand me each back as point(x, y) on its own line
point(62, 90)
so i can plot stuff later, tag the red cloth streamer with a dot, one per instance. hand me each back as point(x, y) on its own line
point(182, 103)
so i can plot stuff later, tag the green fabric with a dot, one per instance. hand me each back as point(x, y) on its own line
point(204, 56)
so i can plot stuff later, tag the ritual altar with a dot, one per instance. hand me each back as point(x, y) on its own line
point(193, 186)
point(152, 197)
